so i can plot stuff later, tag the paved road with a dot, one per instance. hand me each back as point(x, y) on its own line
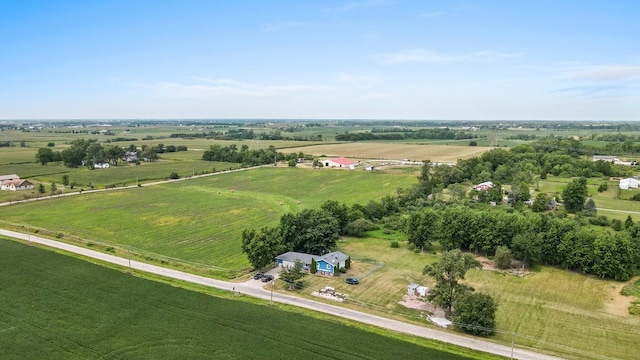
point(447, 337)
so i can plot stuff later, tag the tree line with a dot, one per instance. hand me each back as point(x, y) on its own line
point(392, 134)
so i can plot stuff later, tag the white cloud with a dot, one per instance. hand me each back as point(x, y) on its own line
point(225, 87)
point(431, 56)
point(356, 5)
point(603, 73)
point(359, 79)
point(282, 26)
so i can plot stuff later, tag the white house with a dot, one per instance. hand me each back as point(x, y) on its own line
point(629, 183)
point(326, 264)
point(483, 186)
point(340, 162)
point(16, 185)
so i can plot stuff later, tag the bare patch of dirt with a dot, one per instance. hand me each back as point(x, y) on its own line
point(414, 302)
point(490, 265)
point(618, 304)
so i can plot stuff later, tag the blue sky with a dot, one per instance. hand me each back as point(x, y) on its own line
point(369, 59)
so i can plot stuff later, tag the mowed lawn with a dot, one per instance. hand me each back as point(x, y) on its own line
point(200, 220)
point(57, 307)
point(577, 316)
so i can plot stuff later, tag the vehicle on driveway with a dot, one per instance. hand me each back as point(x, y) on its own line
point(352, 281)
point(267, 278)
point(258, 276)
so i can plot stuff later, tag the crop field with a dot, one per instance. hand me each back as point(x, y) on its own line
point(394, 151)
point(200, 220)
point(576, 316)
point(77, 310)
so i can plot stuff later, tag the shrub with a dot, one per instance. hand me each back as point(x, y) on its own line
point(502, 258)
point(636, 197)
point(411, 246)
point(174, 175)
point(343, 270)
point(617, 224)
point(599, 220)
point(603, 188)
point(473, 143)
point(359, 227)
point(395, 244)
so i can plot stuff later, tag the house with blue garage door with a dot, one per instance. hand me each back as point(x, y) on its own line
point(327, 264)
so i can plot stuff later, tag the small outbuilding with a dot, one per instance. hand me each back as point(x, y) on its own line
point(629, 183)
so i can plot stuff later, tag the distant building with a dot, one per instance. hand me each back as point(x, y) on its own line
point(9, 177)
point(340, 162)
point(629, 183)
point(606, 158)
point(483, 186)
point(16, 185)
point(326, 264)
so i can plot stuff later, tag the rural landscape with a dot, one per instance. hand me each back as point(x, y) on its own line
point(241, 193)
point(337, 179)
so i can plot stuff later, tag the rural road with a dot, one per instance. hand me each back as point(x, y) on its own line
point(447, 337)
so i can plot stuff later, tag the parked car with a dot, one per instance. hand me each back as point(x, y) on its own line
point(267, 278)
point(258, 276)
point(352, 281)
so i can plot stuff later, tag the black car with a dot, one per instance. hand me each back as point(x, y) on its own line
point(352, 281)
point(258, 276)
point(267, 278)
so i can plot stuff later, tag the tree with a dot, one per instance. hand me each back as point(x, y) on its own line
point(628, 224)
point(291, 274)
point(502, 258)
point(41, 188)
point(65, 179)
point(310, 231)
point(44, 155)
point(292, 163)
point(347, 263)
point(540, 203)
point(421, 227)
point(261, 246)
point(314, 266)
point(574, 195)
point(527, 247)
point(339, 211)
point(451, 268)
point(590, 208)
point(114, 154)
point(475, 313)
point(53, 187)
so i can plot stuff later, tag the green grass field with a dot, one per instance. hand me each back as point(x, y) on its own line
point(57, 307)
point(200, 220)
point(576, 316)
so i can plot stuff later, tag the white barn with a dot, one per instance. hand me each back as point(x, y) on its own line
point(629, 183)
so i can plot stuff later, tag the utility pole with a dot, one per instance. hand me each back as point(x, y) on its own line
point(513, 340)
point(272, 285)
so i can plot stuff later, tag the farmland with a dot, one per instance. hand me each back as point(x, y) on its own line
point(394, 151)
point(74, 309)
point(200, 220)
point(576, 316)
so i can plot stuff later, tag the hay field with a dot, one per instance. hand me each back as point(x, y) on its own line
point(387, 151)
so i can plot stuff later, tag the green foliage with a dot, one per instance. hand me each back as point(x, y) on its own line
point(575, 194)
point(339, 211)
point(628, 223)
point(359, 227)
point(617, 225)
point(309, 231)
point(41, 188)
point(292, 274)
point(395, 244)
point(174, 175)
point(347, 263)
point(590, 208)
point(65, 179)
point(603, 187)
point(292, 163)
point(261, 247)
point(314, 266)
point(447, 272)
point(54, 188)
point(422, 227)
point(635, 197)
point(502, 258)
point(475, 313)
point(473, 143)
point(540, 203)
point(44, 156)
point(528, 247)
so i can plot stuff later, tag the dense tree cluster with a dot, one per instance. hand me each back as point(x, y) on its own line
point(246, 134)
point(90, 152)
point(309, 231)
point(247, 157)
point(394, 134)
point(530, 237)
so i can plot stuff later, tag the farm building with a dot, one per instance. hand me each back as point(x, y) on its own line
point(629, 183)
point(415, 289)
point(325, 264)
point(611, 159)
point(9, 177)
point(16, 185)
point(340, 162)
point(483, 186)
point(101, 166)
